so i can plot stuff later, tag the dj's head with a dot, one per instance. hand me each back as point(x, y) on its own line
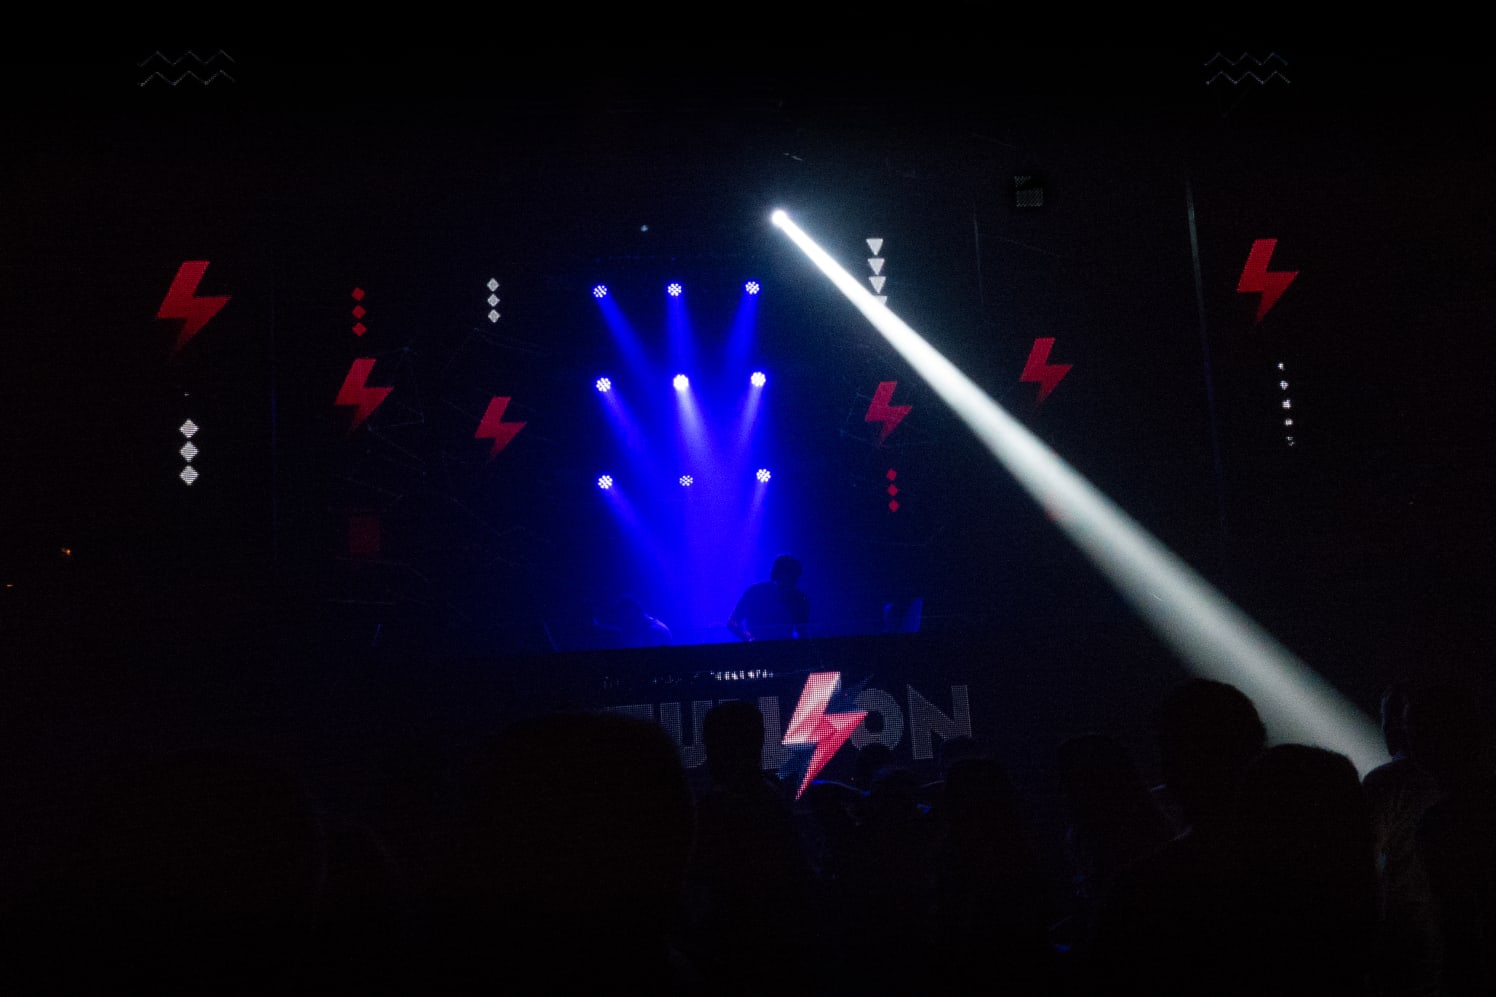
point(786, 570)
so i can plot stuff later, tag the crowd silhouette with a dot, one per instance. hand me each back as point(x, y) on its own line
point(574, 854)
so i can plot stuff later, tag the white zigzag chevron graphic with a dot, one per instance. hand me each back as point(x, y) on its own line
point(1245, 56)
point(179, 79)
point(1249, 74)
point(158, 54)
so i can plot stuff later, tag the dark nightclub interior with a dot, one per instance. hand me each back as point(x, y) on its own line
point(421, 475)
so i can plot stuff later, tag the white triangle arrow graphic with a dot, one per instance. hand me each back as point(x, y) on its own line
point(876, 245)
point(877, 283)
point(876, 263)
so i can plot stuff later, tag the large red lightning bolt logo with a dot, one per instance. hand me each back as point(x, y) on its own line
point(182, 301)
point(1255, 277)
point(495, 428)
point(355, 391)
point(882, 411)
point(1039, 370)
point(811, 724)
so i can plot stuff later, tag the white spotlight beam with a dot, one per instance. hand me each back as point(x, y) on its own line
point(1202, 626)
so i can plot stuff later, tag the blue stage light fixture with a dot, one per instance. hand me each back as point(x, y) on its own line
point(686, 481)
point(674, 290)
point(681, 382)
point(604, 385)
point(600, 291)
point(763, 474)
point(758, 379)
point(751, 287)
point(605, 482)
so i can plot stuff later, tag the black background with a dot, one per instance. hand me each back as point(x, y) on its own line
point(1365, 547)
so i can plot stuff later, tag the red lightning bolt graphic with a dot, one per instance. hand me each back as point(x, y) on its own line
point(494, 427)
point(355, 392)
point(811, 724)
point(182, 302)
point(1255, 277)
point(881, 411)
point(1039, 370)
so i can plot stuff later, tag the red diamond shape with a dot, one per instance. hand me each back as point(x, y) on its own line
point(358, 294)
point(892, 474)
point(358, 311)
point(359, 330)
point(893, 506)
point(893, 489)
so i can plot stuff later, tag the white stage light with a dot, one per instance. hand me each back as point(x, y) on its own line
point(1203, 627)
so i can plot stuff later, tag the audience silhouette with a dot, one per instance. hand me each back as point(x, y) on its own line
point(1307, 886)
point(751, 911)
point(567, 864)
point(1168, 921)
point(1398, 793)
point(884, 888)
point(578, 854)
point(1112, 819)
point(194, 870)
point(992, 907)
point(1449, 734)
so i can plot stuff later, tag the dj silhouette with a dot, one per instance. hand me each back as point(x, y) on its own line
point(775, 609)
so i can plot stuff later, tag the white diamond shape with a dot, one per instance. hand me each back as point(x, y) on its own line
point(493, 316)
point(189, 474)
point(188, 428)
point(493, 285)
point(493, 299)
point(188, 451)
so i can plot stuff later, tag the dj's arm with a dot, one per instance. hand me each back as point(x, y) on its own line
point(737, 626)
